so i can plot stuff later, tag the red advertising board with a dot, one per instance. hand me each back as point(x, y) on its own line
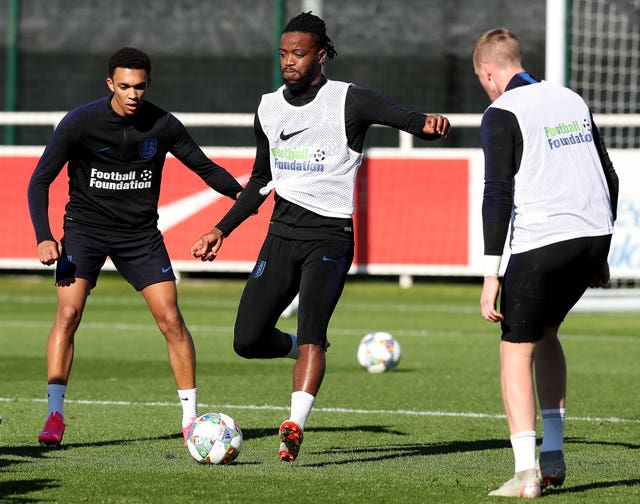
point(409, 211)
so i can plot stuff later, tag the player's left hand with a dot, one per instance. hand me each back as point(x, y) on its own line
point(436, 124)
point(207, 247)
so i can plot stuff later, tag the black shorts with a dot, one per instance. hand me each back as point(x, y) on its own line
point(141, 260)
point(540, 286)
point(316, 269)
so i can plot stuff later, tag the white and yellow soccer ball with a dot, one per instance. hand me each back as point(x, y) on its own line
point(214, 438)
point(379, 352)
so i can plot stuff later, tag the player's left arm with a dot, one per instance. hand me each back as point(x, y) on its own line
point(607, 166)
point(185, 149)
point(366, 106)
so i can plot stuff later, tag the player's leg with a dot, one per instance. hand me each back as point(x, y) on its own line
point(324, 273)
point(551, 384)
point(518, 396)
point(145, 264)
point(59, 351)
point(76, 273)
point(271, 286)
point(163, 303)
point(522, 306)
point(292, 309)
point(162, 300)
point(575, 263)
point(551, 370)
point(516, 381)
point(71, 297)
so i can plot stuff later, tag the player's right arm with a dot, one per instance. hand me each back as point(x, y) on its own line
point(500, 134)
point(49, 251)
point(55, 156)
point(249, 200)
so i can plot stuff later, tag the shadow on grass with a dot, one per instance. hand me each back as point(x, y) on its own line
point(273, 431)
point(379, 453)
point(593, 486)
point(14, 491)
point(631, 446)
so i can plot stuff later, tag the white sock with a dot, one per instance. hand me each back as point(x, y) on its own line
point(524, 450)
point(293, 353)
point(55, 398)
point(553, 429)
point(189, 403)
point(301, 404)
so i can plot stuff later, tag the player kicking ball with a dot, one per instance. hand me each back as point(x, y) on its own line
point(310, 136)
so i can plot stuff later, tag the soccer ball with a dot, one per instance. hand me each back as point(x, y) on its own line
point(214, 438)
point(379, 352)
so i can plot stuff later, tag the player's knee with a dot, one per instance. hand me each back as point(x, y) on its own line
point(68, 316)
point(244, 350)
point(249, 344)
point(247, 340)
point(172, 325)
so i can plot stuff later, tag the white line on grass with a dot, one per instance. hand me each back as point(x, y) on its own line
point(207, 329)
point(347, 411)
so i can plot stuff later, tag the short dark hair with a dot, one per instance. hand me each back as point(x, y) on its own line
point(310, 23)
point(129, 57)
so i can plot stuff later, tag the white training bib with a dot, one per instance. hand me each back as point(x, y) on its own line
point(311, 162)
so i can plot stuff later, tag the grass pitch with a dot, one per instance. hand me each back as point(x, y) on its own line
point(433, 431)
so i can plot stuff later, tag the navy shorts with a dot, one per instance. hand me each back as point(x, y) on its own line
point(142, 260)
point(316, 269)
point(540, 286)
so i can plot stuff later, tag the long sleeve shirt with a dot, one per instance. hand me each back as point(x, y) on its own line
point(115, 168)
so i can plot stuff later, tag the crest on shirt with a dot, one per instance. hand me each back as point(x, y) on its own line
point(258, 269)
point(147, 148)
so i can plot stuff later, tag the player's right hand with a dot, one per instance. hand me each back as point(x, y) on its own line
point(488, 299)
point(207, 247)
point(49, 251)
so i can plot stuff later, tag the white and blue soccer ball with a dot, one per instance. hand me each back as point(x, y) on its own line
point(379, 352)
point(214, 438)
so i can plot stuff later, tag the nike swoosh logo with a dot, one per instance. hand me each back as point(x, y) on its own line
point(287, 136)
point(328, 259)
point(166, 270)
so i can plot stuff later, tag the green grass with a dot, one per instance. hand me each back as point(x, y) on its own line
point(433, 431)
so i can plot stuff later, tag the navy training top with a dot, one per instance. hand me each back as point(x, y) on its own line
point(115, 168)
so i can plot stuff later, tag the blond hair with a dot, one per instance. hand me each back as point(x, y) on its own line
point(498, 46)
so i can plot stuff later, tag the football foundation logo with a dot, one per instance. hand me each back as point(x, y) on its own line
point(117, 181)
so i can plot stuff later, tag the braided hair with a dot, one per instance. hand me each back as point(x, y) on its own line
point(310, 23)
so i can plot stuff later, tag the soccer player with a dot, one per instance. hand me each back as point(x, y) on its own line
point(115, 148)
point(548, 176)
point(310, 135)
